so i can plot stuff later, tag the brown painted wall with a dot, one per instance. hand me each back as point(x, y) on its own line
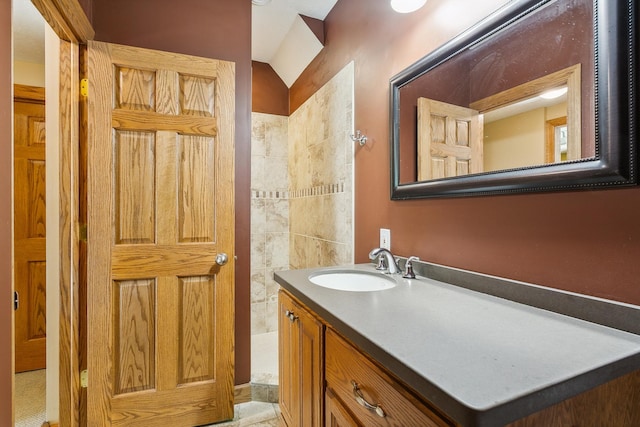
point(270, 95)
point(87, 7)
point(213, 29)
point(586, 242)
point(6, 312)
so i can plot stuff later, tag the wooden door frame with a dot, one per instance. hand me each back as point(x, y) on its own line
point(70, 23)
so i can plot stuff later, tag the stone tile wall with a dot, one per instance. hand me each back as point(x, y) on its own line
point(321, 176)
point(269, 216)
point(301, 192)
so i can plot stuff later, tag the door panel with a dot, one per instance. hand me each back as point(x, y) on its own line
point(30, 228)
point(160, 208)
point(301, 349)
point(449, 140)
point(336, 415)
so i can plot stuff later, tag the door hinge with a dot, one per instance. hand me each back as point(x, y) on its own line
point(84, 378)
point(82, 232)
point(16, 300)
point(84, 87)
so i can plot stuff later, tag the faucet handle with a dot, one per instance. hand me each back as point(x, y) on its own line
point(382, 263)
point(408, 268)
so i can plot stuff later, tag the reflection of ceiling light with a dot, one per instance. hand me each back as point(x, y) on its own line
point(260, 2)
point(407, 6)
point(553, 93)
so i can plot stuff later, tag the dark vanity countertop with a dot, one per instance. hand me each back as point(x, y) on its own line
point(482, 359)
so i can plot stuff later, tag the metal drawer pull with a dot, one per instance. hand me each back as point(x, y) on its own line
point(357, 393)
point(290, 315)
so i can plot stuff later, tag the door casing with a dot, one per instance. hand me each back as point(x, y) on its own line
point(69, 22)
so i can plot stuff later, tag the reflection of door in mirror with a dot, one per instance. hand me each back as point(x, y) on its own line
point(555, 140)
point(449, 140)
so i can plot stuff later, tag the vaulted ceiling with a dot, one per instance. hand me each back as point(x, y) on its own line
point(279, 36)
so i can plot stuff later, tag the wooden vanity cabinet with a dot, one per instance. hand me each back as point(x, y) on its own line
point(369, 394)
point(301, 365)
point(309, 352)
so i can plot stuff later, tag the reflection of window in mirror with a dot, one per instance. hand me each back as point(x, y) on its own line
point(555, 147)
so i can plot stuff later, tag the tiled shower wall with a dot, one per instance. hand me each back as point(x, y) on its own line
point(302, 192)
point(269, 216)
point(321, 176)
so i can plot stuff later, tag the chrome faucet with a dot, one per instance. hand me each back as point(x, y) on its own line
point(386, 261)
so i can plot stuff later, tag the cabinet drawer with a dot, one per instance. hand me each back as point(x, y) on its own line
point(345, 365)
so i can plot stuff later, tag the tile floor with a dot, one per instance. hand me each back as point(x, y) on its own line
point(253, 414)
point(263, 411)
point(264, 358)
point(264, 367)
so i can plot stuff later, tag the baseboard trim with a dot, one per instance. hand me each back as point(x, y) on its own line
point(242, 393)
point(264, 393)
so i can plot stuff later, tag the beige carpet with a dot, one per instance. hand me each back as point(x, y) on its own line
point(29, 405)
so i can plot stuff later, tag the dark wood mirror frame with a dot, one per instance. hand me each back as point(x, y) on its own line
point(615, 160)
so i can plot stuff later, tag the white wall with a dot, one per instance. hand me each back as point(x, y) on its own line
point(515, 142)
point(27, 73)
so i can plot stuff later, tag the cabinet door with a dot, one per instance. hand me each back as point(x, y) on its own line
point(301, 367)
point(337, 415)
point(289, 374)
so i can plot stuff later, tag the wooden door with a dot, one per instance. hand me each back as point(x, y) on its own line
point(449, 140)
point(160, 210)
point(29, 228)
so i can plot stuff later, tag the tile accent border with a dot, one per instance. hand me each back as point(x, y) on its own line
point(319, 190)
point(257, 194)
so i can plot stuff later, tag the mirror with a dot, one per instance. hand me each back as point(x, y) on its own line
point(536, 97)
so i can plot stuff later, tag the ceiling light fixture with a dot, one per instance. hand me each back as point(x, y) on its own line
point(553, 93)
point(407, 6)
point(260, 2)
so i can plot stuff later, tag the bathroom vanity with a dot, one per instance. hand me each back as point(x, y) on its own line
point(452, 348)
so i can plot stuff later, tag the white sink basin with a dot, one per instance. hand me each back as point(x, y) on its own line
point(353, 281)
